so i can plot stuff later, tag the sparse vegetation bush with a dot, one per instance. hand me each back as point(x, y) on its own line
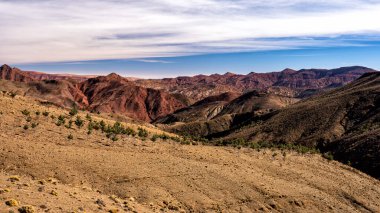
point(26, 127)
point(34, 125)
point(25, 112)
point(114, 138)
point(165, 137)
point(14, 178)
point(79, 122)
point(28, 119)
point(45, 113)
point(11, 202)
point(26, 209)
point(142, 133)
point(61, 120)
point(70, 137)
point(69, 124)
point(38, 113)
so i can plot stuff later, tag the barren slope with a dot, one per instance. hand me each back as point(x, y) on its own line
point(345, 121)
point(168, 175)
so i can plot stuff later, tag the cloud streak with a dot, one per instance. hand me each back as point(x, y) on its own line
point(63, 30)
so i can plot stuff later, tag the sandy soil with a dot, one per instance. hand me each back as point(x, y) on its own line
point(166, 176)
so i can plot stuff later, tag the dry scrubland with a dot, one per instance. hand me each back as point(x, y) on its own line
point(92, 173)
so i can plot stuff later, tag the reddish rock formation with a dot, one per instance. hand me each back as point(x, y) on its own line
point(114, 93)
point(14, 74)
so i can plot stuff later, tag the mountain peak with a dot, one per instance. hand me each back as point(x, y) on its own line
point(5, 66)
point(288, 70)
point(229, 74)
point(114, 75)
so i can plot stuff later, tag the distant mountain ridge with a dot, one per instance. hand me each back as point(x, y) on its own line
point(288, 82)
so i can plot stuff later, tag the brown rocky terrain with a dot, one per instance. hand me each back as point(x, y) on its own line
point(223, 112)
point(115, 94)
point(45, 169)
point(108, 94)
point(288, 82)
point(345, 122)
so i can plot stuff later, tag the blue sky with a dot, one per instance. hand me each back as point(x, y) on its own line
point(166, 38)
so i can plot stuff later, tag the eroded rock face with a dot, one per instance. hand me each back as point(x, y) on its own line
point(14, 74)
point(115, 94)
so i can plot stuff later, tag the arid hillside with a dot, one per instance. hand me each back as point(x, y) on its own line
point(54, 161)
point(217, 114)
point(345, 121)
point(288, 82)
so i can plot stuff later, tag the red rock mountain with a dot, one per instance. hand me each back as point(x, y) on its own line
point(288, 82)
point(115, 94)
point(110, 94)
point(14, 74)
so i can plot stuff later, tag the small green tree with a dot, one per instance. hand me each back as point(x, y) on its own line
point(79, 122)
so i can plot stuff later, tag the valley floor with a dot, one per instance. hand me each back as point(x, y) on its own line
point(145, 176)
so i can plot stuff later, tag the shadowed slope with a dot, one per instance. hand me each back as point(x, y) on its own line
point(345, 121)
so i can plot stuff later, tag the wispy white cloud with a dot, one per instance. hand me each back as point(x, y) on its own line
point(64, 30)
point(154, 61)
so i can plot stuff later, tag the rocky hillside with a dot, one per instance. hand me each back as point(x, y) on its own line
point(288, 82)
point(115, 94)
point(217, 114)
point(345, 121)
point(49, 166)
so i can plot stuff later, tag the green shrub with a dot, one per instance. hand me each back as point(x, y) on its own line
point(88, 117)
point(154, 137)
point(25, 112)
point(142, 133)
point(34, 125)
point(117, 128)
point(28, 119)
point(79, 122)
point(26, 127)
point(129, 131)
point(61, 120)
point(102, 125)
point(45, 113)
point(70, 137)
point(114, 138)
point(38, 112)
